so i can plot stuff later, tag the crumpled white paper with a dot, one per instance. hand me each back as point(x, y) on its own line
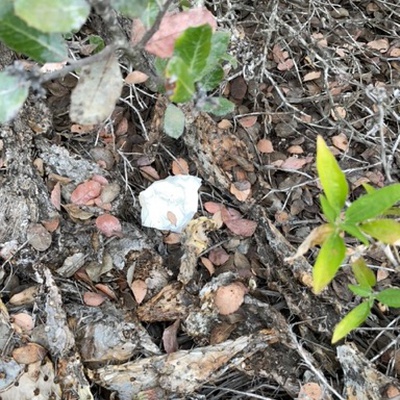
point(170, 199)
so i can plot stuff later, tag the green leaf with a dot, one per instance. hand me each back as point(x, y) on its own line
point(219, 48)
point(329, 259)
point(97, 42)
point(218, 106)
point(149, 15)
point(390, 297)
point(13, 93)
point(364, 276)
point(330, 213)
point(385, 230)
point(178, 74)
point(354, 231)
point(332, 178)
point(360, 290)
point(53, 15)
point(193, 47)
point(174, 121)
point(373, 204)
point(131, 8)
point(212, 78)
point(352, 320)
point(368, 188)
point(98, 89)
point(18, 36)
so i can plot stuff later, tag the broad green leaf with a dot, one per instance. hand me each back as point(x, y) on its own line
point(365, 277)
point(360, 290)
point(53, 15)
point(130, 8)
point(390, 297)
point(329, 260)
point(354, 231)
point(160, 64)
point(219, 48)
point(330, 213)
point(368, 188)
point(211, 78)
point(149, 15)
point(332, 178)
point(193, 47)
point(393, 211)
point(183, 81)
point(18, 36)
point(13, 93)
point(174, 121)
point(385, 230)
point(218, 106)
point(373, 204)
point(97, 42)
point(98, 89)
point(352, 320)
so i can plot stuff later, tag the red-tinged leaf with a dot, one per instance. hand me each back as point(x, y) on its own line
point(180, 167)
point(229, 214)
point(136, 77)
point(208, 264)
point(242, 227)
point(149, 172)
point(109, 225)
point(265, 146)
point(107, 291)
point(169, 337)
point(51, 225)
point(100, 179)
point(286, 65)
point(241, 190)
point(312, 76)
point(55, 196)
point(212, 207)
point(228, 299)
point(218, 256)
point(296, 163)
point(248, 121)
point(93, 299)
point(85, 192)
point(172, 26)
point(172, 218)
point(139, 290)
point(172, 238)
point(29, 353)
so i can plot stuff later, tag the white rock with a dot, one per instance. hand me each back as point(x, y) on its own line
point(169, 204)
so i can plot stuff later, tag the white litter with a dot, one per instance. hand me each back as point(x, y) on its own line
point(169, 204)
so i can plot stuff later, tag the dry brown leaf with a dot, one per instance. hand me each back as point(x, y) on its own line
point(242, 227)
point(23, 321)
point(395, 52)
point(278, 54)
point(312, 76)
point(217, 217)
point(77, 128)
point(208, 264)
point(229, 214)
point(172, 238)
point(340, 141)
point(286, 65)
point(106, 290)
point(76, 213)
point(172, 218)
point(321, 40)
point(136, 77)
point(169, 337)
point(241, 190)
point(108, 225)
point(228, 299)
point(295, 162)
point(38, 237)
point(180, 167)
point(26, 296)
point(139, 290)
point(29, 354)
point(92, 299)
point(338, 113)
point(55, 196)
point(296, 149)
point(311, 391)
point(85, 192)
point(248, 121)
point(122, 127)
point(212, 207)
point(162, 42)
point(100, 179)
point(51, 225)
point(224, 124)
point(265, 146)
point(218, 256)
point(381, 45)
point(149, 173)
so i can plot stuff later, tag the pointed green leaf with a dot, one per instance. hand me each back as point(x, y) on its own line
point(13, 93)
point(368, 188)
point(131, 8)
point(390, 297)
point(177, 73)
point(329, 260)
point(18, 36)
point(193, 47)
point(352, 320)
point(53, 15)
point(218, 106)
point(149, 15)
point(360, 291)
point(373, 204)
point(332, 178)
point(364, 276)
point(354, 231)
point(385, 230)
point(174, 121)
point(330, 213)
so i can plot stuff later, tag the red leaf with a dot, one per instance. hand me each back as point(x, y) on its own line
point(229, 214)
point(109, 225)
point(212, 207)
point(242, 227)
point(169, 337)
point(85, 192)
point(55, 197)
point(162, 42)
point(218, 256)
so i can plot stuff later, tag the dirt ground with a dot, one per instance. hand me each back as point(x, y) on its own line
point(217, 312)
